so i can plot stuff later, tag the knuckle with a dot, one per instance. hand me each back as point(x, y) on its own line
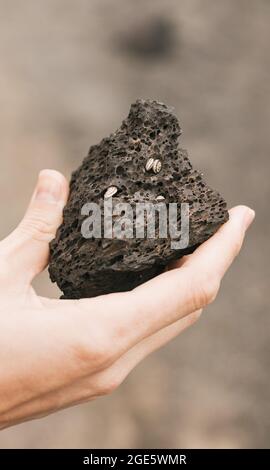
point(101, 356)
point(195, 316)
point(97, 343)
point(107, 386)
point(211, 290)
point(39, 227)
point(93, 352)
point(206, 291)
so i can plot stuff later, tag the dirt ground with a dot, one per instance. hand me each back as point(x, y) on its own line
point(69, 71)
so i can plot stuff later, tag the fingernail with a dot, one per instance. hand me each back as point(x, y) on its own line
point(248, 217)
point(49, 188)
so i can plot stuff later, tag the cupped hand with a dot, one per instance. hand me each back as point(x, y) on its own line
point(57, 353)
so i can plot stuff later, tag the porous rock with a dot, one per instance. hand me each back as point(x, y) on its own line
point(86, 267)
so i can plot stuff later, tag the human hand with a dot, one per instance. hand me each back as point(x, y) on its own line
point(57, 353)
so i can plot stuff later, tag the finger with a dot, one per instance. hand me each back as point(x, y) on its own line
point(176, 293)
point(220, 250)
point(27, 248)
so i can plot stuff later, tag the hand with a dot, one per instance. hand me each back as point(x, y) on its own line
point(57, 353)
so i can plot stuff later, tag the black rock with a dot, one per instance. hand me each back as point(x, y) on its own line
point(86, 267)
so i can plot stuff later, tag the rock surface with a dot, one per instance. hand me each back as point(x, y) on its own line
point(88, 267)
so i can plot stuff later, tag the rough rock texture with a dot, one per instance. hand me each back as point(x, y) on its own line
point(89, 267)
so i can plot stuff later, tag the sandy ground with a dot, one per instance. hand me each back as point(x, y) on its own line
point(69, 71)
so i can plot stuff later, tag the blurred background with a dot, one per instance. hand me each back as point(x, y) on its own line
point(69, 71)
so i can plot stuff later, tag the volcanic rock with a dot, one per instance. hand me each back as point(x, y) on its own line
point(141, 162)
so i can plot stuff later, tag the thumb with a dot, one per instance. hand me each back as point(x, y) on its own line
point(27, 248)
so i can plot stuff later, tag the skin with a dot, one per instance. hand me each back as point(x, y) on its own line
point(58, 353)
